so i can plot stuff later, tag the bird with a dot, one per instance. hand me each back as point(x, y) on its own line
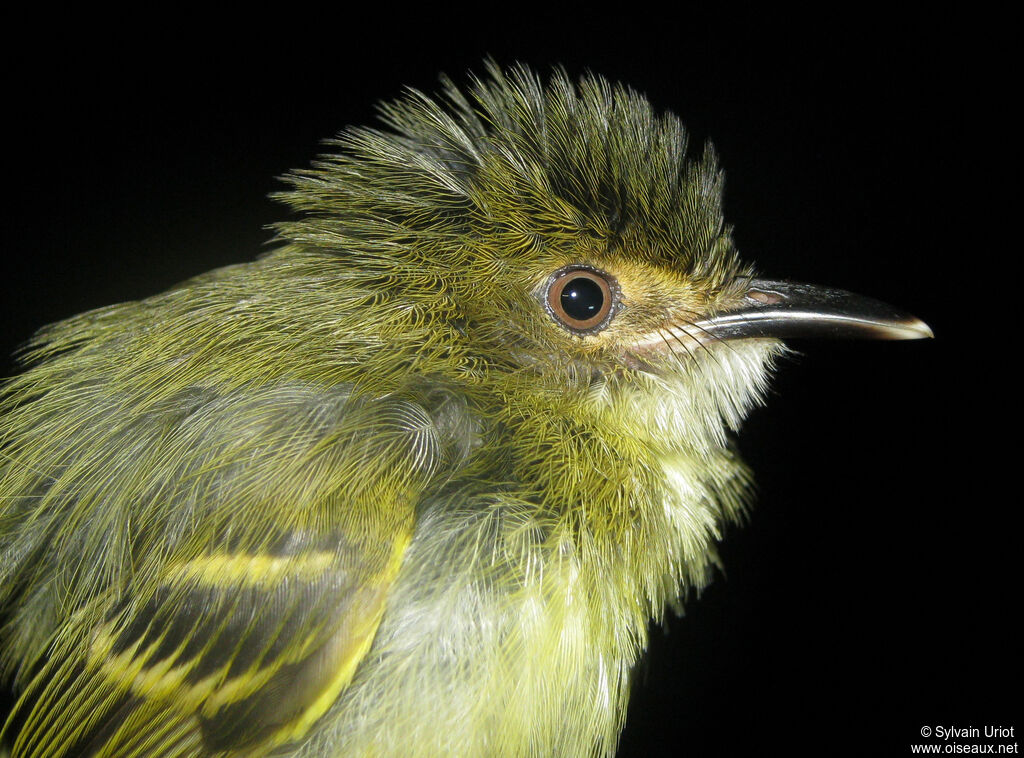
point(415, 482)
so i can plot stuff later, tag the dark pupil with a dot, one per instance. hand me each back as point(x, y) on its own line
point(582, 299)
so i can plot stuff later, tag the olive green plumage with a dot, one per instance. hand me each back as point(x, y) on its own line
point(367, 496)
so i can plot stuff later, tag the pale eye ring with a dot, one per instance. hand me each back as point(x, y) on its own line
point(582, 299)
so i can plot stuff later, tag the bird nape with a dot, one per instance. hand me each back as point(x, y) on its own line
point(415, 482)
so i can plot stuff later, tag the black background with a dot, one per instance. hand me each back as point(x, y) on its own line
point(875, 589)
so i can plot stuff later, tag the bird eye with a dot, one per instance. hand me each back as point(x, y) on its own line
point(581, 299)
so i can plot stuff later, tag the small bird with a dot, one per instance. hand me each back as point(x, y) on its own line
point(415, 482)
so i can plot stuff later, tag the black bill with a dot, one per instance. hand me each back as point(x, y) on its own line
point(791, 309)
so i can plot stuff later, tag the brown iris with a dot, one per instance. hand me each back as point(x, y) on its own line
point(581, 299)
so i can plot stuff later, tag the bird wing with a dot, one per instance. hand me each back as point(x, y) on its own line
point(231, 651)
point(249, 630)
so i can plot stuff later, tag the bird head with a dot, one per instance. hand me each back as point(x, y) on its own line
point(553, 245)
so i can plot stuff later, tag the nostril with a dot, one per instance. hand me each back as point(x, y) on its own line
point(768, 298)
